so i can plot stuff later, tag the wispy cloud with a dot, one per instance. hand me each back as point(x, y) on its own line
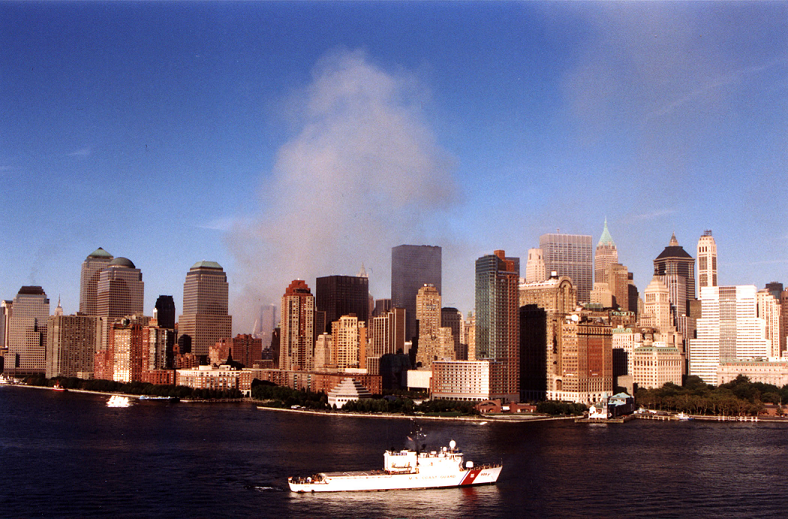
point(84, 152)
point(654, 214)
point(714, 84)
point(226, 224)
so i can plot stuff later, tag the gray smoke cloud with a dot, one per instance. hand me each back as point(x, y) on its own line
point(362, 173)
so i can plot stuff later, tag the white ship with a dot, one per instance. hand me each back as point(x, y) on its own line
point(405, 469)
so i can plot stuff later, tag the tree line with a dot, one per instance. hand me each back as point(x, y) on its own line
point(133, 388)
point(739, 397)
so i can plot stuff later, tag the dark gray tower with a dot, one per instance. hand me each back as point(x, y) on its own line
point(412, 267)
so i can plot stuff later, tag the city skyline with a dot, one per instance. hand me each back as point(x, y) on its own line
point(290, 140)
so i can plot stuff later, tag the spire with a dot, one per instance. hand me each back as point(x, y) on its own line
point(606, 239)
point(673, 241)
point(363, 272)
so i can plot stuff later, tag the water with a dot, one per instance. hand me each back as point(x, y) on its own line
point(67, 455)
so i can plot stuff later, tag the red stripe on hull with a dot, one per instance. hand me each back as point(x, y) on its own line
point(470, 477)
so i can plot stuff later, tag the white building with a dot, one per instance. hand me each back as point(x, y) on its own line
point(461, 380)
point(730, 329)
point(707, 261)
point(346, 391)
point(773, 371)
point(627, 339)
point(769, 311)
point(534, 267)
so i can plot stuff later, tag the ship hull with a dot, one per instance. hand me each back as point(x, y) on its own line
point(371, 481)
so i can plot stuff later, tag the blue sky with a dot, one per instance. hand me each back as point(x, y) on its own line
point(294, 140)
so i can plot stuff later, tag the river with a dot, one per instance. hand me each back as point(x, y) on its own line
point(68, 455)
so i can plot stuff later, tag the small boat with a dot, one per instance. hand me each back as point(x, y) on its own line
point(405, 470)
point(118, 401)
point(58, 387)
point(683, 417)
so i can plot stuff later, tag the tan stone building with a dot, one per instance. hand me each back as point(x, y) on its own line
point(584, 369)
point(435, 341)
point(655, 365)
point(71, 345)
point(767, 372)
point(205, 317)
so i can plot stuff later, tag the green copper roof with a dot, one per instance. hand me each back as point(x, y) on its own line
point(207, 265)
point(606, 239)
point(99, 253)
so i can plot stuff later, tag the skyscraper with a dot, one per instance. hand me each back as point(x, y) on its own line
point(297, 336)
point(435, 342)
point(165, 312)
point(570, 255)
point(412, 267)
point(606, 255)
point(768, 309)
point(585, 361)
point(775, 288)
point(535, 270)
point(452, 318)
point(656, 307)
point(120, 289)
point(498, 320)
point(388, 333)
point(27, 329)
point(729, 329)
point(676, 269)
point(71, 343)
point(349, 338)
point(707, 261)
point(88, 285)
point(342, 295)
point(205, 317)
point(617, 278)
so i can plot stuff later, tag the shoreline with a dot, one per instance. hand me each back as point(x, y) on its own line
point(480, 419)
point(502, 418)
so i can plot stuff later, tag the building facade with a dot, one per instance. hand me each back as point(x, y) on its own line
point(27, 332)
point(657, 312)
point(497, 320)
point(570, 255)
point(435, 341)
point(96, 261)
point(707, 261)
point(584, 369)
point(467, 381)
point(412, 267)
point(71, 345)
point(768, 309)
point(297, 334)
point(349, 341)
point(342, 295)
point(655, 365)
point(535, 270)
point(728, 330)
point(606, 254)
point(205, 317)
point(676, 269)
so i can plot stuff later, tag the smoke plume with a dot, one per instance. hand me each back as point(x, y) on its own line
point(362, 173)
